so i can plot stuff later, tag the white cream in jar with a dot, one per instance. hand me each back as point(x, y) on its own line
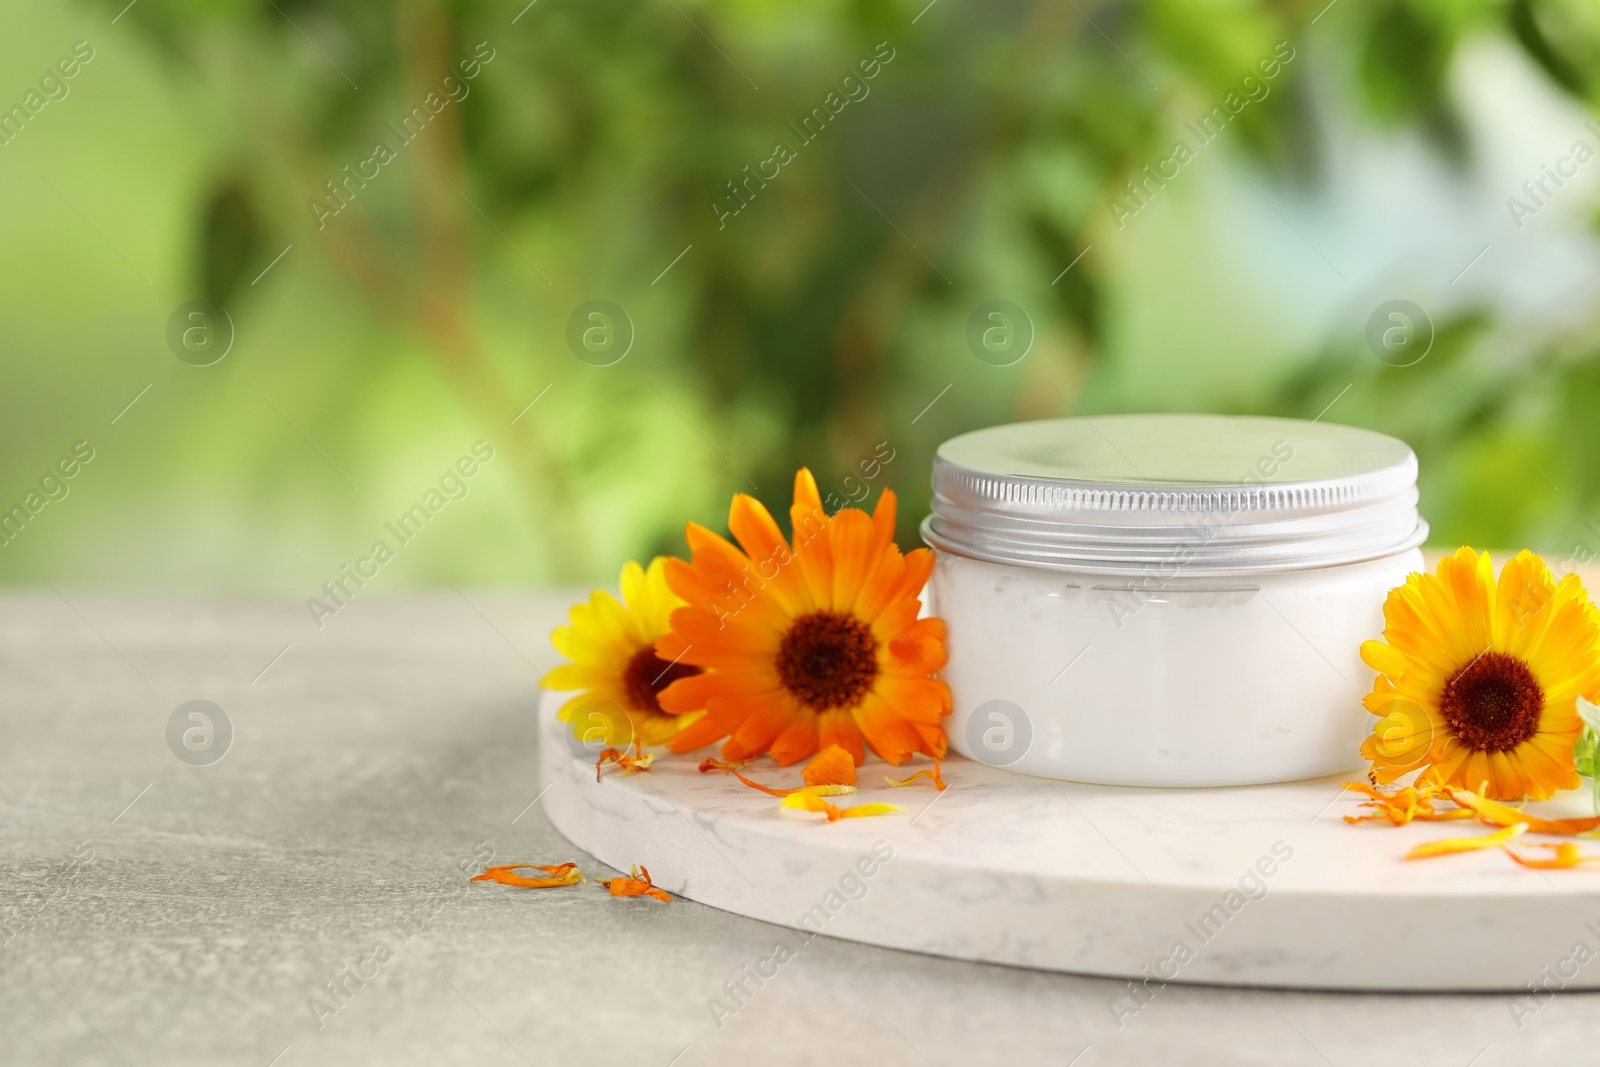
point(1167, 600)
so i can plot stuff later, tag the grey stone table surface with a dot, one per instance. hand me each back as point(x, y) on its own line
point(156, 912)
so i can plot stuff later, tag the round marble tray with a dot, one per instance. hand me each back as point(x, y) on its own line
point(1260, 885)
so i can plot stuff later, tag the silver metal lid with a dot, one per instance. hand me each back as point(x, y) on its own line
point(1202, 494)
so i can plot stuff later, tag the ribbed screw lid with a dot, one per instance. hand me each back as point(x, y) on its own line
point(1210, 494)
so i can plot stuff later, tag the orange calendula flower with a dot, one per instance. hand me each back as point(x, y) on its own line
point(505, 874)
point(806, 645)
point(637, 885)
point(1449, 846)
point(933, 776)
point(614, 671)
point(806, 800)
point(831, 773)
point(1478, 679)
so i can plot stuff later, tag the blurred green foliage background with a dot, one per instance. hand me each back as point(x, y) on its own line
point(824, 323)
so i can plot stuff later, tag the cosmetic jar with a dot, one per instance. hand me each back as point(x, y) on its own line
point(1167, 600)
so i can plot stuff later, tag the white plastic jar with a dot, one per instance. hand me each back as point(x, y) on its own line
point(1167, 600)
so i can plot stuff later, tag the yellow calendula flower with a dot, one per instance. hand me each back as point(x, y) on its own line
point(611, 646)
point(1479, 679)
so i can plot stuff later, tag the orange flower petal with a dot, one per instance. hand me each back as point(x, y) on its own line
point(857, 811)
point(826, 790)
point(691, 693)
point(933, 775)
point(505, 874)
point(797, 741)
point(698, 734)
point(629, 764)
point(752, 524)
point(1384, 659)
point(638, 884)
point(832, 766)
point(1497, 814)
point(1404, 805)
point(918, 700)
point(1566, 855)
point(919, 566)
point(765, 789)
point(1451, 845)
point(805, 800)
point(891, 737)
point(761, 726)
point(811, 802)
point(838, 728)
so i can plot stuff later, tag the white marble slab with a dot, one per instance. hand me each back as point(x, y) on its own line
point(1262, 885)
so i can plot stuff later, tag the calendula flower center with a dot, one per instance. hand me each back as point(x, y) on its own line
point(1493, 703)
point(828, 659)
point(648, 674)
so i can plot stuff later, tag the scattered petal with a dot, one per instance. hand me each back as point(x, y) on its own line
point(832, 773)
point(505, 874)
point(1404, 805)
point(808, 801)
point(629, 764)
point(1452, 845)
point(1497, 814)
point(765, 789)
point(832, 766)
point(813, 790)
point(827, 790)
point(1567, 855)
point(933, 775)
point(711, 763)
point(637, 885)
point(859, 810)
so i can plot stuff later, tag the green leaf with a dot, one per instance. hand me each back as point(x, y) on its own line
point(1583, 753)
point(233, 243)
point(1587, 747)
point(1590, 714)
